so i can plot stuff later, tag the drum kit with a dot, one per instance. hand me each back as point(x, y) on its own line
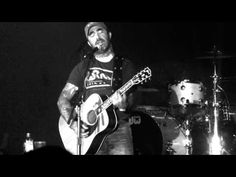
point(192, 124)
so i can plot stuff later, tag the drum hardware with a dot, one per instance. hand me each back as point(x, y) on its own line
point(215, 58)
point(186, 130)
point(226, 107)
point(207, 120)
point(219, 116)
point(188, 142)
point(169, 149)
point(177, 137)
point(170, 145)
point(226, 112)
point(215, 55)
point(215, 143)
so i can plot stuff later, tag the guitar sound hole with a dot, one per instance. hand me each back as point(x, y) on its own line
point(92, 117)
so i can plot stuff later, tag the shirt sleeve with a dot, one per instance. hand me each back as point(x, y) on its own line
point(76, 76)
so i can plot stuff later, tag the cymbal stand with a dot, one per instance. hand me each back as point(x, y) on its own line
point(188, 142)
point(215, 147)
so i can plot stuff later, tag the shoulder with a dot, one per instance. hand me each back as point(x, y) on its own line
point(127, 63)
point(124, 60)
point(80, 65)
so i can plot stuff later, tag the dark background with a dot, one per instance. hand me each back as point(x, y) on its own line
point(37, 57)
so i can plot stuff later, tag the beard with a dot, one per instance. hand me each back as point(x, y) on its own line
point(103, 47)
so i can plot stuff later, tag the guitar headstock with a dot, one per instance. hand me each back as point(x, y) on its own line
point(142, 76)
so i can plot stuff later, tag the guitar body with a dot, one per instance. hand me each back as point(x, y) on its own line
point(100, 126)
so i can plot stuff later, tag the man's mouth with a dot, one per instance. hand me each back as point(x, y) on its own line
point(100, 45)
point(99, 42)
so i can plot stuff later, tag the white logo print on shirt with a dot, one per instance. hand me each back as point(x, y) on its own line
point(98, 77)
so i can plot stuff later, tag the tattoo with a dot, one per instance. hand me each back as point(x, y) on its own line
point(63, 103)
point(69, 91)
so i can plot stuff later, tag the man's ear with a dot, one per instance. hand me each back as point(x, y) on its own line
point(89, 44)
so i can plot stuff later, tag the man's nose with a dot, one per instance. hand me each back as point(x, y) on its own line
point(97, 36)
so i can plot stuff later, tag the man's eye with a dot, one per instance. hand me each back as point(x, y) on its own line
point(100, 31)
point(91, 34)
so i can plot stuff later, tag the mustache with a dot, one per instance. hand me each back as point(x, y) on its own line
point(99, 40)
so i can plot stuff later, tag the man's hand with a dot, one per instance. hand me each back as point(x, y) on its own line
point(84, 129)
point(120, 101)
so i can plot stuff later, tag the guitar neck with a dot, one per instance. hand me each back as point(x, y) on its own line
point(108, 102)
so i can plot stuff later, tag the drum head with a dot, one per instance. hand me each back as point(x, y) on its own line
point(147, 136)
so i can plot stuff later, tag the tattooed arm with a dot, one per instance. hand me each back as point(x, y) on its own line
point(63, 102)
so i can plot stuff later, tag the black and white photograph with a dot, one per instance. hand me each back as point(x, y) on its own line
point(118, 88)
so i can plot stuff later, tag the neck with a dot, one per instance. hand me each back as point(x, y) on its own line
point(105, 57)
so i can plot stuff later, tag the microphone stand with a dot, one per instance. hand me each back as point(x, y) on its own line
point(78, 145)
point(78, 112)
point(78, 108)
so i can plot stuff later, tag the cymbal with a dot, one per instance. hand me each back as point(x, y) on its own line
point(215, 52)
point(218, 57)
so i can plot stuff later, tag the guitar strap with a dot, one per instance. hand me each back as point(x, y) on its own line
point(117, 73)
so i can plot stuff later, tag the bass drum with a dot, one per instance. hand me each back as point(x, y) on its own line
point(174, 137)
point(147, 136)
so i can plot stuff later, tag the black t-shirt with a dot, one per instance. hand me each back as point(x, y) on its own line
point(99, 77)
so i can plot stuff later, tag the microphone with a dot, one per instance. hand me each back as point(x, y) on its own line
point(95, 50)
point(89, 53)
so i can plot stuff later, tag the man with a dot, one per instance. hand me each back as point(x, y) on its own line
point(100, 73)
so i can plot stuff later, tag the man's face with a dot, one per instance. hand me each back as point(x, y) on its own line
point(99, 37)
